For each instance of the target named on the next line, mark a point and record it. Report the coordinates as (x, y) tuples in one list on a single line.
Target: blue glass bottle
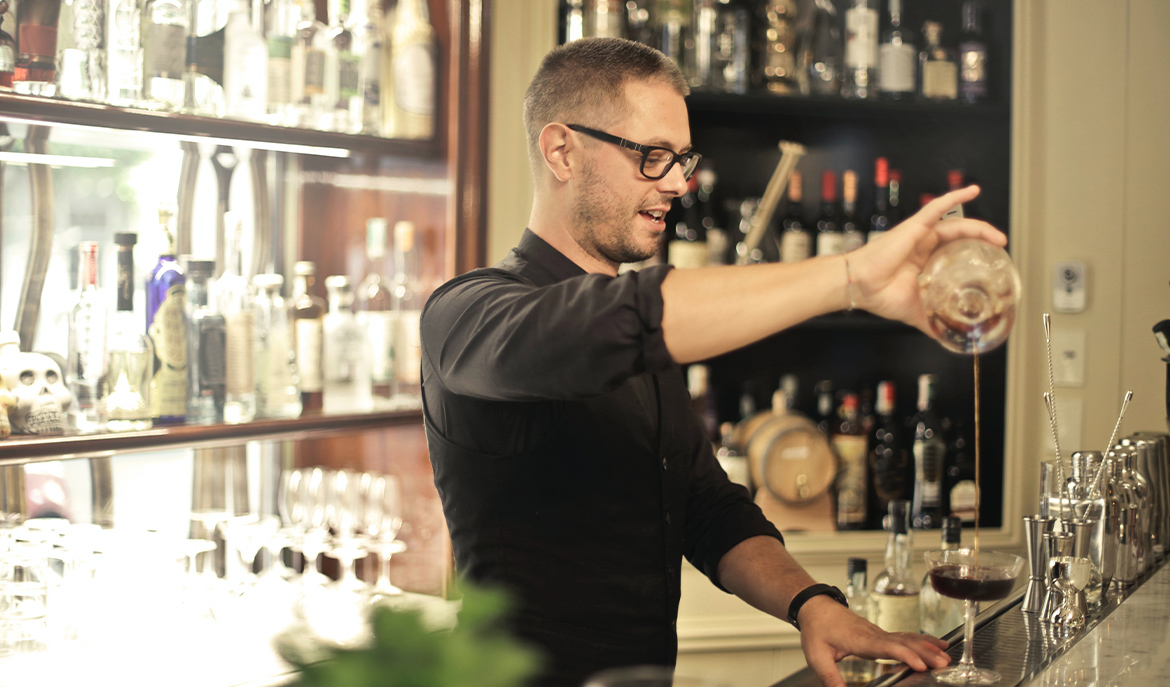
[(166, 324)]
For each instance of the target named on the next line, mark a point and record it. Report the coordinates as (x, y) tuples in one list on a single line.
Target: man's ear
[(558, 148)]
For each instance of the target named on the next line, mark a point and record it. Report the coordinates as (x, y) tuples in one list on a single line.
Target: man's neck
[(560, 235)]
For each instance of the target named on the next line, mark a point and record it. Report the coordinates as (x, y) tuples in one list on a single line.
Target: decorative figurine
[(36, 382)]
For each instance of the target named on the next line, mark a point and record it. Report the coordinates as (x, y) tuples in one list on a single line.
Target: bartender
[(571, 468)]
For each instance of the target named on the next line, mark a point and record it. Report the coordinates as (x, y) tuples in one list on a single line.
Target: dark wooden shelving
[(23, 449), (705, 105), (56, 112)]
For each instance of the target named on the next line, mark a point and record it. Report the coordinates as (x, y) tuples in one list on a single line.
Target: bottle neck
[(898, 553), (125, 295), (88, 276), (857, 583), (197, 292), (300, 286)]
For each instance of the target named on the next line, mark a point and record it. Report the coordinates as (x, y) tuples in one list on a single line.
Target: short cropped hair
[(582, 82)]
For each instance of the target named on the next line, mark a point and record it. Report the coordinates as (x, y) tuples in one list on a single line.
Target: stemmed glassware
[(970, 290), (972, 576), (381, 522), (344, 513)]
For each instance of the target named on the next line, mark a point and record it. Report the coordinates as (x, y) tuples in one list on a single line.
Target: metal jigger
[(1069, 575), (1057, 545), (1035, 527), (1082, 531)]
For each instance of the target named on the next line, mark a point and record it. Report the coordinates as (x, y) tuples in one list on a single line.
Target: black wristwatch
[(807, 593)]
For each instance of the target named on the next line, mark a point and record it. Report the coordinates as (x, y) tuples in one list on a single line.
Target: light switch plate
[(1068, 357), (1070, 413)]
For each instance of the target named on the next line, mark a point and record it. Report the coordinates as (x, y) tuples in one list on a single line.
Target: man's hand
[(885, 271), (829, 632)]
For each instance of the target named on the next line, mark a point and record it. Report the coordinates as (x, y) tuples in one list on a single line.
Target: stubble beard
[(606, 231)]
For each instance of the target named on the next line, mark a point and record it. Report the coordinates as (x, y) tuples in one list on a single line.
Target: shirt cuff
[(648, 300)]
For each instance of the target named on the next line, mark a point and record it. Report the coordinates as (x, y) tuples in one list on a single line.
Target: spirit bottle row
[(268, 61), (230, 349)]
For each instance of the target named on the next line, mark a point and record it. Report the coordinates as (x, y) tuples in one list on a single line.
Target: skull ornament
[(38, 385)]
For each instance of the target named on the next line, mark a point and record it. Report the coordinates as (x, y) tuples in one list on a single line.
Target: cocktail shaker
[(1126, 569)]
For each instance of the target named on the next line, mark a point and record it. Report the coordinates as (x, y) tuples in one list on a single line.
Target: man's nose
[(675, 182)]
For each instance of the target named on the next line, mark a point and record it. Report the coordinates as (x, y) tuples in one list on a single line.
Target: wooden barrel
[(788, 456)]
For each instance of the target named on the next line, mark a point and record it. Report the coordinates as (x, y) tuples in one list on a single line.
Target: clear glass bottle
[(820, 61), (346, 363), (895, 591), (35, 71), (408, 308), (282, 19), (937, 67), (376, 315), (7, 56), (413, 74), (164, 31), (929, 450), (972, 55), (897, 58), (83, 65), (233, 299), (124, 57), (777, 53), (275, 364), (940, 614), (796, 240), (851, 446), (308, 313), (166, 323), (734, 463), (203, 93), (854, 670), (206, 348), (86, 365), (731, 47), (861, 50), (342, 71), (671, 27), (245, 74), (310, 55), (368, 32), (131, 351)]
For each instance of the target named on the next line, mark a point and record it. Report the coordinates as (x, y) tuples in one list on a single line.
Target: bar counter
[(1126, 642)]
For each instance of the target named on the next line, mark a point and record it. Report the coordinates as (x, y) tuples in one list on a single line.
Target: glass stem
[(383, 570), (969, 634)]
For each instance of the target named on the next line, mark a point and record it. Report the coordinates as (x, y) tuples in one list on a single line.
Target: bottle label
[(830, 243), (7, 59), (348, 71), (168, 333), (851, 479), (371, 76), (414, 78), (408, 358), (166, 50), (795, 246), (895, 613), (973, 69), (279, 70), (928, 459), (898, 62), (240, 356), (861, 34), (212, 356), (344, 349), (684, 254), (314, 72), (852, 241), (940, 80), (309, 338), (963, 500), (380, 328), (37, 40)]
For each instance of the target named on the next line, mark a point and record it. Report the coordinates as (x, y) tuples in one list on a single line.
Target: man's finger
[(969, 228), (932, 212), (825, 668), (916, 653)]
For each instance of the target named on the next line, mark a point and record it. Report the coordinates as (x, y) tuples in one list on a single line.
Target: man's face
[(617, 212)]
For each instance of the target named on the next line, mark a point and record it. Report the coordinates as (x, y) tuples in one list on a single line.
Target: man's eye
[(657, 157)]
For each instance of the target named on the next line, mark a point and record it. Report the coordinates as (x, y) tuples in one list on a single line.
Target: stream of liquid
[(978, 488)]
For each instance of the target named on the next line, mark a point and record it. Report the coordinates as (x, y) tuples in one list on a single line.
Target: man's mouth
[(656, 216)]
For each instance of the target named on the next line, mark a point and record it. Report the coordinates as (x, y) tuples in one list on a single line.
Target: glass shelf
[(53, 112), (20, 449)]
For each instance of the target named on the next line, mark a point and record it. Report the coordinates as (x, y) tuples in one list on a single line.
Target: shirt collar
[(551, 263)]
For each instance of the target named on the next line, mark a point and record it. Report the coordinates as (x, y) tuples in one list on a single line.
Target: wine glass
[(970, 290), (381, 521), (972, 576), (344, 513)]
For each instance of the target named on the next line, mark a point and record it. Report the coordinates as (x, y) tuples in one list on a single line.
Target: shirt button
[(663, 462), (668, 518)]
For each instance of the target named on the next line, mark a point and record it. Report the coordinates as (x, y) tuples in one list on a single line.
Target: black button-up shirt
[(571, 467)]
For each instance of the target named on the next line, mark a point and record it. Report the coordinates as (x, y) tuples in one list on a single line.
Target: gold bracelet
[(849, 283)]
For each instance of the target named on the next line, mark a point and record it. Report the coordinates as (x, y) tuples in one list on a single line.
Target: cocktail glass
[(970, 290), (972, 576)]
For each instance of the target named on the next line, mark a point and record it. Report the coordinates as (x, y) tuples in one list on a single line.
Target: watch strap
[(809, 592)]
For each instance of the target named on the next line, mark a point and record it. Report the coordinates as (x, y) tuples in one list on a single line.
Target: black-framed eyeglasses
[(656, 161)]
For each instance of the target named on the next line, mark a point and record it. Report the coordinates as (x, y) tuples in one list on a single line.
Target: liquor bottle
[(203, 92), (86, 367), (308, 313), (274, 362), (83, 64), (709, 217), (233, 299), (408, 309), (166, 323), (282, 19), (125, 46), (245, 79), (830, 239), (688, 245), (368, 33), (730, 47), (413, 72), (35, 68), (206, 348), (310, 54), (855, 670), (972, 56), (898, 60), (937, 67), (790, 385), (850, 444), (954, 179), (824, 395), (376, 314), (702, 74), (164, 54), (671, 27), (929, 454), (796, 240), (961, 490), (604, 18), (895, 592), (939, 614), (895, 197), (702, 400), (7, 53), (861, 50), (131, 352), (880, 221), (346, 361), (573, 14), (734, 463), (853, 237), (777, 69), (342, 70), (820, 63), (888, 460)]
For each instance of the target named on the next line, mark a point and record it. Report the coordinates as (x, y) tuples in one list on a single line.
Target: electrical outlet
[(1068, 357)]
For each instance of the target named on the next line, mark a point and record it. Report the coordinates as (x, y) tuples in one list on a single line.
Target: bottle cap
[(829, 186), (304, 268), (898, 521), (404, 235), (375, 237), (856, 565), (337, 281), (849, 185), (955, 179), (125, 239), (885, 398), (881, 172), (952, 530), (795, 187), (266, 281), (198, 267)]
